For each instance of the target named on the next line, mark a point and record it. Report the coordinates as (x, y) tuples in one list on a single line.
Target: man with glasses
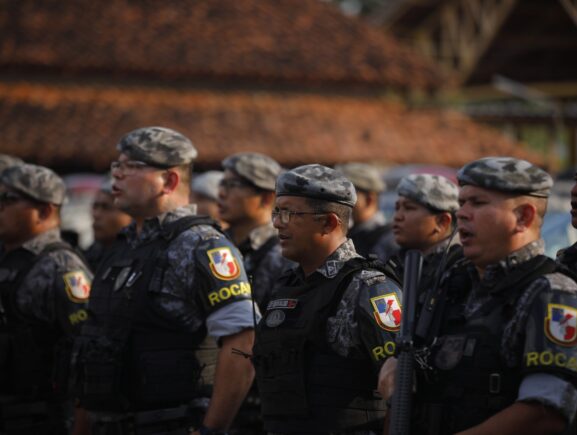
[(245, 201), (332, 320), (148, 358), (44, 286)]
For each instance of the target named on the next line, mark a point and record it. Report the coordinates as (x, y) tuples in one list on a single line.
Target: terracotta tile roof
[(75, 127), (278, 41)]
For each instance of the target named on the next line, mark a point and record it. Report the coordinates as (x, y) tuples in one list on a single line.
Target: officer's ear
[(267, 199), (525, 214), (171, 180), (331, 222), (443, 221)]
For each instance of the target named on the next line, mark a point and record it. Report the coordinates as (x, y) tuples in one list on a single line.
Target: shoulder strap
[(174, 229)]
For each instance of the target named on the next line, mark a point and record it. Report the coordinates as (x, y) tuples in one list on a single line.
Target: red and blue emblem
[(77, 286), (387, 311), (561, 324), (223, 264)]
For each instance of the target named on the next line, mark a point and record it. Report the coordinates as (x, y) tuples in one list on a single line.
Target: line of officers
[(173, 325)]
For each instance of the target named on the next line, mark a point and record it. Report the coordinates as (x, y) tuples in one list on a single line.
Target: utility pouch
[(165, 376), (101, 371)]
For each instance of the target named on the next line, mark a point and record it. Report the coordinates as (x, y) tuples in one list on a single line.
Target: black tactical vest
[(132, 355), (28, 348), (304, 385), (470, 381)]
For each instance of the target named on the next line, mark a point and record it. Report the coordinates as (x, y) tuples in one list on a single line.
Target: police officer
[(107, 221), (370, 233), (245, 200), (160, 305), (44, 286), (502, 358), (204, 193), (331, 323), (424, 220)]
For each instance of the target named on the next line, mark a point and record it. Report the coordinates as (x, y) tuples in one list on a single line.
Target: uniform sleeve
[(56, 291), (379, 316), (550, 346)]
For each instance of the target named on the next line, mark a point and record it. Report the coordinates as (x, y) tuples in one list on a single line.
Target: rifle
[(401, 400)]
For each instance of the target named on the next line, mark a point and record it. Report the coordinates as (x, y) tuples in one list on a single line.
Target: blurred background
[(409, 85)]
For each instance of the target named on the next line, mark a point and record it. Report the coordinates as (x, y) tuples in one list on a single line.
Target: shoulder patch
[(223, 263), (561, 324), (387, 311), (77, 286)]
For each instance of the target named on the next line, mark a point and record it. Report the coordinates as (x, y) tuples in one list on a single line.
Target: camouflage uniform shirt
[(530, 333), (56, 288), (192, 290), (357, 330)]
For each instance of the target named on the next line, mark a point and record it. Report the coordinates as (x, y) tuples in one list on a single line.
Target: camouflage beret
[(258, 169), (36, 182), (158, 146), (507, 174), (6, 161), (317, 182), (207, 184), (363, 176), (432, 191)]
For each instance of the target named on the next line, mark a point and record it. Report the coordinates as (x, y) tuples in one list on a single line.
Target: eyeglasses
[(8, 198), (230, 183), (129, 167), (286, 215)]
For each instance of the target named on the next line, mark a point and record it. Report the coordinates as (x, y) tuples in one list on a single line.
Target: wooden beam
[(458, 34)]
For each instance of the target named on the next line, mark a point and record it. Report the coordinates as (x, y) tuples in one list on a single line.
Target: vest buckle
[(494, 383)]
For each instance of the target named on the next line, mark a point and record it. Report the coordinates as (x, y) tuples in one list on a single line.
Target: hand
[(387, 378)]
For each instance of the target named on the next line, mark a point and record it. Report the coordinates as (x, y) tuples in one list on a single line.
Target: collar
[(153, 226), (335, 262), (494, 273), (37, 244)]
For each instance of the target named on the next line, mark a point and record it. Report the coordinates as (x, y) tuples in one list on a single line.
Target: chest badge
[(223, 264), (387, 311), (77, 286), (275, 318), (121, 278), (561, 324)]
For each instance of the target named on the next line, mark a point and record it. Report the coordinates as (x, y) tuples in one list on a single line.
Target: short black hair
[(344, 212)]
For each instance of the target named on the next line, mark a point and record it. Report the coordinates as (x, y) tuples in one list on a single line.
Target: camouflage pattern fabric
[(352, 331), (36, 182), (317, 182), (158, 146), (363, 176), (182, 280), (56, 289), (507, 174), (6, 161), (259, 169), (433, 191)]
